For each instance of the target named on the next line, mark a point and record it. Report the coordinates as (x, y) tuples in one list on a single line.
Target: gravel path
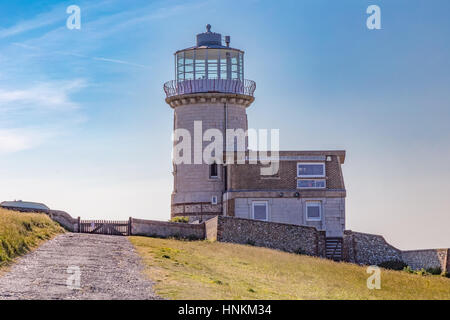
[(109, 269)]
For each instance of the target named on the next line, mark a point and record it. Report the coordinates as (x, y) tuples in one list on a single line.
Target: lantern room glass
[(199, 64)]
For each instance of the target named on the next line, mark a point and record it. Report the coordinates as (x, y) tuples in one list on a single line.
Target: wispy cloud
[(31, 115), (40, 21), (14, 140), (78, 55), (48, 95), (121, 62), (57, 15)]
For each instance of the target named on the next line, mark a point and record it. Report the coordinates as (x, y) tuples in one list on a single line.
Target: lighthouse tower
[(209, 92)]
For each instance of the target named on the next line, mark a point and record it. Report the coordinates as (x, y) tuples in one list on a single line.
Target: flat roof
[(24, 204)]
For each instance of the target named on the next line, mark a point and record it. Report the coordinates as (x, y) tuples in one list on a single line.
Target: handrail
[(175, 88)]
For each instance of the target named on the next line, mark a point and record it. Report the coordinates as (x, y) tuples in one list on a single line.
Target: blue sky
[(84, 126)]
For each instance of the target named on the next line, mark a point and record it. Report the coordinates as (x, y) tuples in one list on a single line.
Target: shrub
[(300, 251), (180, 219), (393, 265), (408, 269), (434, 271)]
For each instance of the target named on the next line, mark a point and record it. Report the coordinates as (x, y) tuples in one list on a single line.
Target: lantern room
[(209, 66)]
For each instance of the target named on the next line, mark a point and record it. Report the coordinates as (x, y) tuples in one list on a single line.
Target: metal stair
[(333, 248)]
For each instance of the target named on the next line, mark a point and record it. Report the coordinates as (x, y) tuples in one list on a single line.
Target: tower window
[(213, 171)]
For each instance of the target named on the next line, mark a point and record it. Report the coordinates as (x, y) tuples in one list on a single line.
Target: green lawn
[(213, 270), (20, 232)]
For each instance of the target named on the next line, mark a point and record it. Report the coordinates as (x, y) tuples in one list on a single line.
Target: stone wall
[(285, 237), (64, 219), (162, 229), (433, 258), (368, 249)]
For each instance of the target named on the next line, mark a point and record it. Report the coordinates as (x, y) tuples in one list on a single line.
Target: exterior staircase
[(333, 248)]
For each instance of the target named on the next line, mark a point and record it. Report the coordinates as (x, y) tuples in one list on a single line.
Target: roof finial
[(208, 28)]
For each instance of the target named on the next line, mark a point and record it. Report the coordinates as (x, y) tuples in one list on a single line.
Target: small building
[(25, 206), (308, 190)]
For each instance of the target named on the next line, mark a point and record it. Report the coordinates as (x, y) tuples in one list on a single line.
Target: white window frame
[(259, 203), (313, 204), (324, 187), (312, 175), (214, 199)]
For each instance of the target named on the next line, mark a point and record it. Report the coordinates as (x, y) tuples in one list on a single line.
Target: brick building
[(210, 88)]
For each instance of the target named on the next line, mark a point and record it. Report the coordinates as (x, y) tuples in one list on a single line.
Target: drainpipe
[(224, 176)]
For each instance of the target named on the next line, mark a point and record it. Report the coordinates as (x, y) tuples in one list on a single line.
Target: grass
[(212, 270), (21, 232)]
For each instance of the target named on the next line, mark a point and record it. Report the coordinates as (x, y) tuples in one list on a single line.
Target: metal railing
[(174, 88)]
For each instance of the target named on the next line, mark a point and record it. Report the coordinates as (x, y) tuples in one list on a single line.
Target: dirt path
[(109, 269)]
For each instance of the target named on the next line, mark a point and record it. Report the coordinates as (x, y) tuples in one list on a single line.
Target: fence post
[(129, 226), (79, 225)]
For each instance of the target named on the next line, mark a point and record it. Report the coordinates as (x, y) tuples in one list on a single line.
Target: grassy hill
[(20, 232), (213, 270)]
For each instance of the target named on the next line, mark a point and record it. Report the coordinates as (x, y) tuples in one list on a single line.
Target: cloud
[(14, 140), (30, 116), (121, 62), (117, 61), (46, 95), (40, 21)]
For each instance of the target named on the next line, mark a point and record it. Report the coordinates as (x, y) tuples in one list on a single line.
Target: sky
[(84, 126)]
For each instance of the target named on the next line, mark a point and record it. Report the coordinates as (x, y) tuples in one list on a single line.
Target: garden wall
[(161, 229), (64, 219), (285, 237), (368, 249), (433, 258)]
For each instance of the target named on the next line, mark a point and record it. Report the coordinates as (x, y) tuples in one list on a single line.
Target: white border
[(267, 209), (311, 176), (313, 204), (324, 180)]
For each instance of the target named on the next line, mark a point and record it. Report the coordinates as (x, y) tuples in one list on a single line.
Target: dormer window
[(310, 170)]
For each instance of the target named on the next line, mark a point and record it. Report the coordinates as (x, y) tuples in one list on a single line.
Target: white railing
[(174, 88)]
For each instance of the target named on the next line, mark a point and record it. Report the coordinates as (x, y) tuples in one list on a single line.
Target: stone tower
[(210, 87)]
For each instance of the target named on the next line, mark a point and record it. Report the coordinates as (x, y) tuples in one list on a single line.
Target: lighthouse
[(209, 92)]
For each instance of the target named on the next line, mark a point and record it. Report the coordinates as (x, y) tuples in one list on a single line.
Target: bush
[(423, 272), (408, 269), (393, 265), (251, 242), (435, 271), (300, 251), (180, 219)]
